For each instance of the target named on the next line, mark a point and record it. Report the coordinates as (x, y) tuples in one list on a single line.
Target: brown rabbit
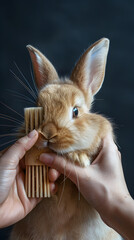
[(70, 129)]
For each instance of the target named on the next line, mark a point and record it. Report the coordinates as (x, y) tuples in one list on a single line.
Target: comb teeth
[(37, 182), (36, 179), (33, 118)]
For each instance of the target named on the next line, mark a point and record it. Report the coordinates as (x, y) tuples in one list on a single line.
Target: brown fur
[(78, 139)]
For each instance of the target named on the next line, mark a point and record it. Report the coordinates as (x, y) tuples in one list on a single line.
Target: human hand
[(102, 183), (14, 204)]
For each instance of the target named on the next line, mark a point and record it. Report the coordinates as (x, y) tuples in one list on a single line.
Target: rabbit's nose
[(49, 131)]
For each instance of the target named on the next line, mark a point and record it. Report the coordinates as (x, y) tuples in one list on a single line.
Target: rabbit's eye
[(75, 112)]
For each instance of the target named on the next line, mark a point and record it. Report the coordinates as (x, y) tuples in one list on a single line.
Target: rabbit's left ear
[(90, 70), (44, 71)]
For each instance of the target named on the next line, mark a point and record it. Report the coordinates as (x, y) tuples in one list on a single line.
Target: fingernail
[(32, 134), (46, 158)]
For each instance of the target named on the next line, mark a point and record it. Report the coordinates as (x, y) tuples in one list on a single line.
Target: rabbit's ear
[(90, 70), (44, 72)]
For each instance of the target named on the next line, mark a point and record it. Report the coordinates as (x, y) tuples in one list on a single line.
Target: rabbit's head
[(68, 124)]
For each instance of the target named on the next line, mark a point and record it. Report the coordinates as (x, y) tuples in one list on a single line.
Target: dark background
[(62, 30)]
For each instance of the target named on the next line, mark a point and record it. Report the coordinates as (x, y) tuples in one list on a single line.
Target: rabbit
[(69, 128)]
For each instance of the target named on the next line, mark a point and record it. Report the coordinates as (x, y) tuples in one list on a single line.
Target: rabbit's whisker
[(8, 135), (67, 176), (3, 144), (25, 80), (4, 116), (12, 109), (24, 85), (5, 125), (78, 185), (17, 129), (63, 188), (21, 96)]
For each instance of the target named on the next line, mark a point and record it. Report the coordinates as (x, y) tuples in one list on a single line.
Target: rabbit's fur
[(66, 216)]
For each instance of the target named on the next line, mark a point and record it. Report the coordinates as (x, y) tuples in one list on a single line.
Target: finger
[(53, 188), (27, 203), (61, 165), (109, 146), (53, 175), (16, 152), (108, 141)]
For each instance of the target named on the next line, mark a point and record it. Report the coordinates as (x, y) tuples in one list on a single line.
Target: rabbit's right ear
[(89, 72), (44, 72)]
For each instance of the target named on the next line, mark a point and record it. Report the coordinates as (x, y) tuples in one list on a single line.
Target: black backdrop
[(62, 30)]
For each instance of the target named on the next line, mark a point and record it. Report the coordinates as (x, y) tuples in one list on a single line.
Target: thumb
[(11, 158), (9, 162), (62, 165)]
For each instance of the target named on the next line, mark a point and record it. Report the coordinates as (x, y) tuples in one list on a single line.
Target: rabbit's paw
[(79, 158)]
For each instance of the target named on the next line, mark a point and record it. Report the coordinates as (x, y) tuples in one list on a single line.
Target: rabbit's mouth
[(55, 143)]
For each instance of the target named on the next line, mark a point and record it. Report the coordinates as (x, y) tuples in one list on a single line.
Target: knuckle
[(20, 144)]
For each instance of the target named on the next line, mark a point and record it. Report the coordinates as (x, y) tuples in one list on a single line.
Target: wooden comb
[(36, 178)]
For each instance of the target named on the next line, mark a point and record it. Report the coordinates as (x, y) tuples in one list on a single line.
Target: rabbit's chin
[(60, 150)]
